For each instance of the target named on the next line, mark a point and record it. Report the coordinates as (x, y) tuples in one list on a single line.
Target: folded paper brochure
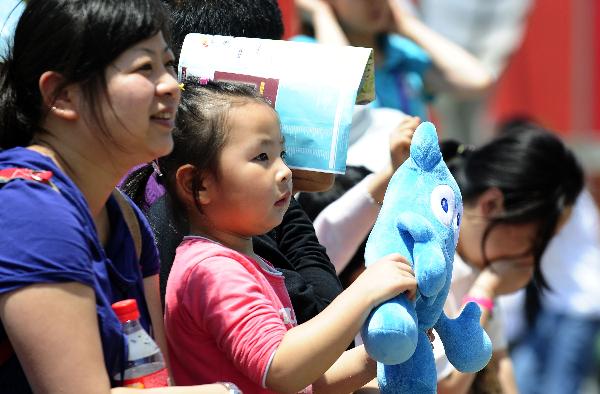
[(313, 88)]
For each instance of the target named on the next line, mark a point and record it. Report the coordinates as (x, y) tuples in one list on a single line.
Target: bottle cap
[(126, 310)]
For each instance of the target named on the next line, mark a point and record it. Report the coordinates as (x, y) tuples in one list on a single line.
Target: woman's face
[(144, 95), (362, 16)]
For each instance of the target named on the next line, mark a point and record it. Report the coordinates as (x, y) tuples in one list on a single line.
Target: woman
[(87, 92)]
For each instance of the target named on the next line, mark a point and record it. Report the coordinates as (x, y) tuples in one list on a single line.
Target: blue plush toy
[(419, 219)]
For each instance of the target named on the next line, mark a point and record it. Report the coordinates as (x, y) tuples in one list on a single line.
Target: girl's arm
[(345, 223), (353, 369), (53, 329), (506, 374), (455, 69), (308, 350)]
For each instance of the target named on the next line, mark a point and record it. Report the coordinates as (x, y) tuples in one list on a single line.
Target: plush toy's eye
[(456, 224), (442, 204)]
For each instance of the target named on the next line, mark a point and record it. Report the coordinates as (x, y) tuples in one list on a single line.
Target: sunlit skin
[(253, 187), (144, 95), (362, 16)]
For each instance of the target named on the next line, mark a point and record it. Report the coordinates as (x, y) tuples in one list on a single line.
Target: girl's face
[(362, 16), (144, 96), (253, 188), (505, 242)]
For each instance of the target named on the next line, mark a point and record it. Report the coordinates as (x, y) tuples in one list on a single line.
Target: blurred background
[(545, 55)]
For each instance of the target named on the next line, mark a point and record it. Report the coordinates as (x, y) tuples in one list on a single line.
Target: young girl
[(411, 60), (228, 315), (87, 91)]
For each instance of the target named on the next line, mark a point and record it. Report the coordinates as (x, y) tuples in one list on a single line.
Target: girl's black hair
[(76, 38), (537, 174)]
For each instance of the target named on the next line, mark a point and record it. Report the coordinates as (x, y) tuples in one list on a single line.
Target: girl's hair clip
[(181, 86), (156, 168)]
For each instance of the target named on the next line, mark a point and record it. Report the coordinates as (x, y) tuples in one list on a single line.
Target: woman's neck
[(94, 173)]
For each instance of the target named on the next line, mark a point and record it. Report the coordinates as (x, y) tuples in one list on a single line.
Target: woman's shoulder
[(47, 234), (44, 201)]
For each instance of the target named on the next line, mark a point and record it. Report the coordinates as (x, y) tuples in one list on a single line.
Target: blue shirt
[(399, 81), (49, 237)]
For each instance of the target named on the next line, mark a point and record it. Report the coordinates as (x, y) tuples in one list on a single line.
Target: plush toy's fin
[(425, 148), (466, 344), (390, 333)]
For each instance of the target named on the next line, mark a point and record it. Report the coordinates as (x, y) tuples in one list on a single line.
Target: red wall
[(554, 76), (290, 19)]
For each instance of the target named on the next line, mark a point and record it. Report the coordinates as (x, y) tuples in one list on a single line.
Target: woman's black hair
[(537, 174), (76, 38)]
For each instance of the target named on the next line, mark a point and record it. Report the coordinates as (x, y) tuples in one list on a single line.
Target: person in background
[(412, 62), (87, 91)]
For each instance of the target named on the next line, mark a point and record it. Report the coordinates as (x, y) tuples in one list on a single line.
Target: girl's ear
[(491, 202), (61, 100), (186, 178)]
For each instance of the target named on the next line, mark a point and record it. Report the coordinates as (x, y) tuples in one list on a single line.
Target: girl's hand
[(386, 278), (503, 277), (400, 140)]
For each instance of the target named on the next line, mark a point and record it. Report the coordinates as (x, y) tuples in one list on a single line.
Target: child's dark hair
[(537, 174), (249, 18), (77, 39), (199, 136)]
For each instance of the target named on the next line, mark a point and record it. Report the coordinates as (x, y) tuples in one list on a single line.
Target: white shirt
[(571, 262), (345, 223)]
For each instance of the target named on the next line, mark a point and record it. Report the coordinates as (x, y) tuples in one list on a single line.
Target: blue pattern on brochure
[(316, 126)]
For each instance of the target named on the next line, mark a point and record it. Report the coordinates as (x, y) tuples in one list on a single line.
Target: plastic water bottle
[(145, 365)]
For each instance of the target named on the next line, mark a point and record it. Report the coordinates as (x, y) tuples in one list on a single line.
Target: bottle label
[(159, 378)]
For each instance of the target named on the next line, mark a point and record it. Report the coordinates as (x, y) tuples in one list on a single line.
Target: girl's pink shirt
[(225, 316)]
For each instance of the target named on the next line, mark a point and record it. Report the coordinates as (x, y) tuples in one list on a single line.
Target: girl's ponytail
[(135, 185)]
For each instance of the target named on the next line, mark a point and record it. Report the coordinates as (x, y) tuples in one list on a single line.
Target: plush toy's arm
[(429, 263), (466, 344)]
